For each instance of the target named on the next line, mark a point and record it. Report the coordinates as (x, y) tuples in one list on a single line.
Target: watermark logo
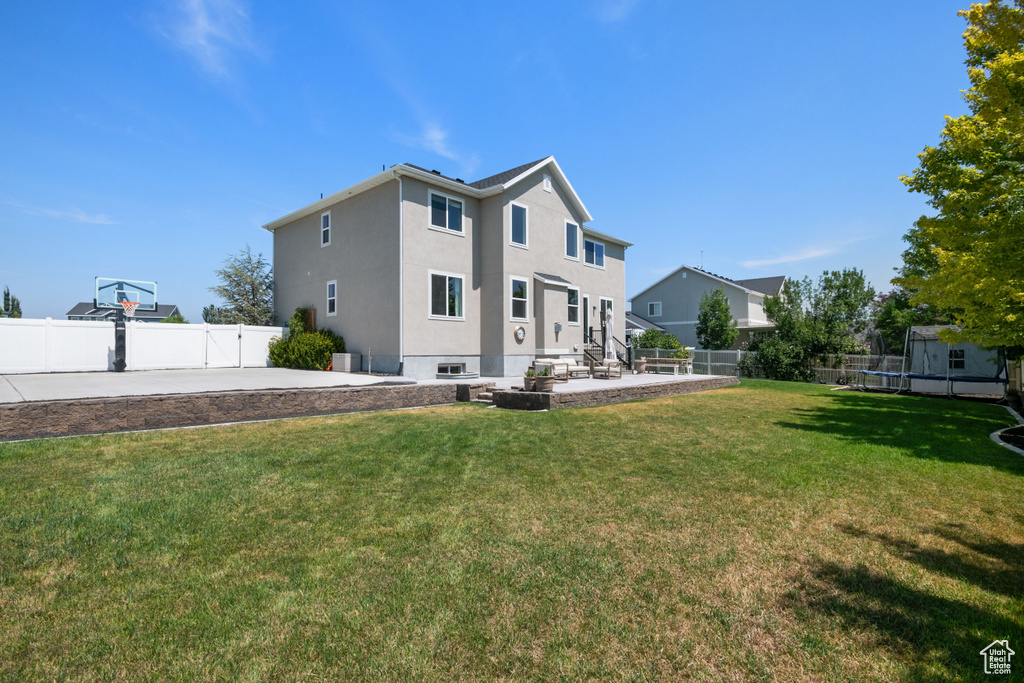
[(997, 657)]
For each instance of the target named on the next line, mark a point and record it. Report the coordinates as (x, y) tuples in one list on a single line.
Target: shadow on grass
[(936, 638), (930, 428), (983, 561)]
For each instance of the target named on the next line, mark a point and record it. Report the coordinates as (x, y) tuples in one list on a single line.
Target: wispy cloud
[(614, 11), (434, 139), (212, 32), (802, 255), (805, 254), (73, 214)]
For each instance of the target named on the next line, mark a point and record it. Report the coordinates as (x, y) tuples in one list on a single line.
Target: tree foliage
[(177, 318), (12, 305), (247, 286), (656, 339), (969, 258), (813, 321), (213, 315), (716, 328), (892, 313)]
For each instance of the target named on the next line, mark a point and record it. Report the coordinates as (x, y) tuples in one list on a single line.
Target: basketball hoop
[(129, 308)]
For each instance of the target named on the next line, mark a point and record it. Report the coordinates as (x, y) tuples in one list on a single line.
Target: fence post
[(206, 345), (47, 346), (241, 329)]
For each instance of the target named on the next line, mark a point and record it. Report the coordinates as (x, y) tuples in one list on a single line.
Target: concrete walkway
[(57, 386)]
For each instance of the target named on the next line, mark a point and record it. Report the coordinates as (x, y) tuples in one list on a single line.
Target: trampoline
[(931, 359)]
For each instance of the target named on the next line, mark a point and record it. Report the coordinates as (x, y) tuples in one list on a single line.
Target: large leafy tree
[(716, 328), (812, 322), (247, 287), (968, 260)]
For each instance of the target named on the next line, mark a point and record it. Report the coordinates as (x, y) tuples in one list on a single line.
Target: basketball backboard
[(110, 292)]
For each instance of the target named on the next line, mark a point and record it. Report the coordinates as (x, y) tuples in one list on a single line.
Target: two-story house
[(673, 303), (432, 275)]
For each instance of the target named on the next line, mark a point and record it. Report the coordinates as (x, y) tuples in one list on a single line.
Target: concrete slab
[(590, 384), (78, 385)]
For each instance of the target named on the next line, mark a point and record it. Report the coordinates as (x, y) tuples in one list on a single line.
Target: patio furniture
[(675, 364), (559, 368), (575, 369), (608, 369)]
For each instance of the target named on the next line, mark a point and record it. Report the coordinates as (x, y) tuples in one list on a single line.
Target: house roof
[(765, 285), (479, 189), (931, 332), (632, 319), (86, 308), (738, 284), (505, 176), (551, 279)]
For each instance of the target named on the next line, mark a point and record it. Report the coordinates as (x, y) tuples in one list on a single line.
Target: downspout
[(401, 276)]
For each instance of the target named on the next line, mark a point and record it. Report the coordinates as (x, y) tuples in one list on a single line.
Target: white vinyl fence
[(34, 345), (704, 362)]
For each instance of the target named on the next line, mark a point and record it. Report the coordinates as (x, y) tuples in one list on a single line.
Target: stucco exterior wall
[(362, 257)]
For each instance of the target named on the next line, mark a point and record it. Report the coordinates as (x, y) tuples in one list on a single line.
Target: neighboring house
[(635, 325), (673, 303), (86, 311), (432, 275)]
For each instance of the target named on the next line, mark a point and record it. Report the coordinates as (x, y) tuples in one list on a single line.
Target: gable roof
[(640, 323), (737, 284), (765, 285), (479, 189)]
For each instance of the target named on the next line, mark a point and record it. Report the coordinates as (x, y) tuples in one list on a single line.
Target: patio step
[(484, 397)]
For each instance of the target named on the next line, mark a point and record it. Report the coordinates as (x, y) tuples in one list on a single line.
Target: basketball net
[(129, 307)]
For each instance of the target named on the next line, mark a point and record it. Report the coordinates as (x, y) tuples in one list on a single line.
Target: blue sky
[(150, 140)]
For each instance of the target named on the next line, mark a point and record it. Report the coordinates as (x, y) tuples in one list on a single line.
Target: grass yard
[(762, 532)]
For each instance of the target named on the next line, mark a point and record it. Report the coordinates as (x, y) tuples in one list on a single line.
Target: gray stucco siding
[(362, 258), (430, 251)]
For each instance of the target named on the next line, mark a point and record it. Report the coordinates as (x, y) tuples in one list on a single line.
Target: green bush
[(303, 349), (653, 339)]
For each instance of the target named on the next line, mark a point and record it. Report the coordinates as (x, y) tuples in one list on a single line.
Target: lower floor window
[(451, 368), (574, 305), (332, 297), (519, 299), (445, 296)]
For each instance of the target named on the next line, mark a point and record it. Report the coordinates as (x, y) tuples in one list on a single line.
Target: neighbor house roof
[(738, 284), (765, 285), (84, 308), (479, 189), (632, 319)]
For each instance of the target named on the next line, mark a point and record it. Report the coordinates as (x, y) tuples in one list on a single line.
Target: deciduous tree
[(968, 259), (716, 328)]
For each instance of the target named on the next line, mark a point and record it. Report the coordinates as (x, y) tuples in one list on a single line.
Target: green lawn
[(765, 531)]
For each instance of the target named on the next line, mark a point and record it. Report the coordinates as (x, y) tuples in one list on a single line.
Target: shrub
[(303, 349), (176, 318), (653, 339)]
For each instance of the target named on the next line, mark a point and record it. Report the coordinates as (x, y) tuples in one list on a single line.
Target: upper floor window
[(519, 227), (572, 241), (325, 229), (574, 306), (332, 297), (445, 296), (445, 212), (653, 309), (519, 299), (593, 252)]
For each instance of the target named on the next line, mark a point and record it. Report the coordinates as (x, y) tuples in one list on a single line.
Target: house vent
[(547, 183)]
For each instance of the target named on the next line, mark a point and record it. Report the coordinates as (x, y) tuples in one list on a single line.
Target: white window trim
[(604, 253), (461, 232), (430, 293), (327, 292), (526, 209), (653, 303), (511, 308), (565, 233), (579, 307), (330, 229)]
